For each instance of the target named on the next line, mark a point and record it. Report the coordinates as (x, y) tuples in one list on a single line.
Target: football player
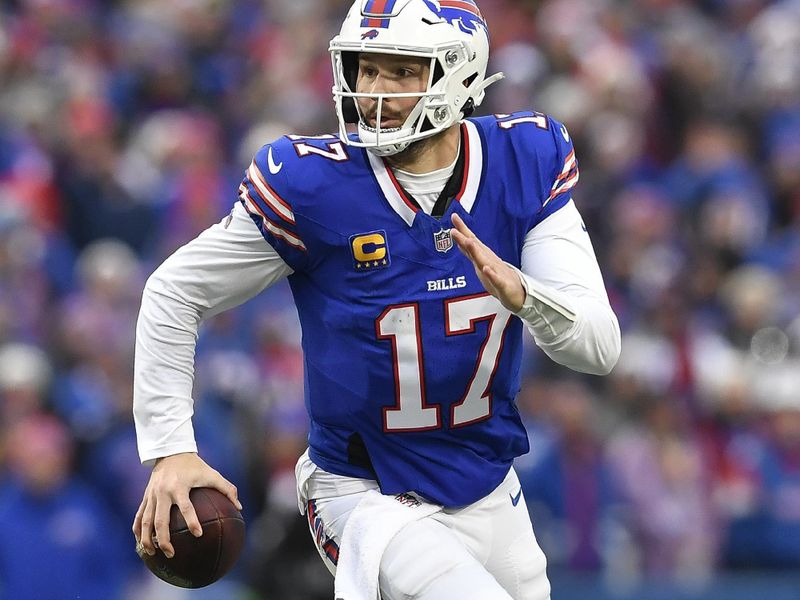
[(419, 249)]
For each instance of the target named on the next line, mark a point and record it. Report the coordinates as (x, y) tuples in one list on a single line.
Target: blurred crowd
[(125, 127)]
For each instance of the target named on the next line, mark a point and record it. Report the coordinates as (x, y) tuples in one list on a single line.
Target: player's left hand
[(500, 280)]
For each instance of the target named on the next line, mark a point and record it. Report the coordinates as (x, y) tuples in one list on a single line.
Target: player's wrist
[(519, 300), (174, 457), (515, 297)]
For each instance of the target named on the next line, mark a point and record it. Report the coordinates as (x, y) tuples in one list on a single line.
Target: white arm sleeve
[(223, 267), (566, 308)]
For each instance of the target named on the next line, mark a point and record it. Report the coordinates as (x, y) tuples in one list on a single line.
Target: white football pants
[(483, 551)]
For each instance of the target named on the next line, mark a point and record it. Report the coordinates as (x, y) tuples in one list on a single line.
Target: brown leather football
[(199, 562)]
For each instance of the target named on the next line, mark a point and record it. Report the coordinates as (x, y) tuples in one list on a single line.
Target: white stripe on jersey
[(267, 194)]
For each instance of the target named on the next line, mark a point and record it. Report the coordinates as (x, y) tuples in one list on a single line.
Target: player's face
[(385, 73)]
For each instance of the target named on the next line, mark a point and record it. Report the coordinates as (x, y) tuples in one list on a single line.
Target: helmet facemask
[(432, 113), (455, 84)]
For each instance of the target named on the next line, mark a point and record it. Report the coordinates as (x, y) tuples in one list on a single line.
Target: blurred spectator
[(25, 374), (766, 532), (568, 490), (664, 481), (94, 340), (52, 518)]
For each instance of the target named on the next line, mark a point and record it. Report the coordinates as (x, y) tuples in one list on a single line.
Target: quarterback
[(420, 243)]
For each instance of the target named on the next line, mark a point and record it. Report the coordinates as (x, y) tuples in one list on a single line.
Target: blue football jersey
[(411, 368)]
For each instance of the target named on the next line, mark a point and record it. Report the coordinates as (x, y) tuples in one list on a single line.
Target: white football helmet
[(451, 33)]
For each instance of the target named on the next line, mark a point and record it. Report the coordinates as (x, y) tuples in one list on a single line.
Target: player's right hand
[(170, 481), (499, 279)]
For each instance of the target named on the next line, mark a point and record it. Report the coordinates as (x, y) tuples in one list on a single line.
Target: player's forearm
[(224, 266), (579, 331), (566, 307), (166, 334)]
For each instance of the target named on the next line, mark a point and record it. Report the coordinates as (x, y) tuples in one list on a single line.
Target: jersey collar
[(468, 192)]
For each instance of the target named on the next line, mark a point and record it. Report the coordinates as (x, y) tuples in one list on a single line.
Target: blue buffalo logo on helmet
[(461, 13)]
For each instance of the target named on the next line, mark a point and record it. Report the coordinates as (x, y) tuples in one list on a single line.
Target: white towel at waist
[(369, 529)]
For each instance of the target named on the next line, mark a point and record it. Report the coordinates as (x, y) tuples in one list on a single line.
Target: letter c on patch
[(369, 247)]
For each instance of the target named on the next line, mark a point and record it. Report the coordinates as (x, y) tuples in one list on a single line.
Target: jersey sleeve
[(562, 165), (544, 163), (266, 194)]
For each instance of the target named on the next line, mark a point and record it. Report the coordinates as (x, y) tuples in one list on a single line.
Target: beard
[(413, 152)]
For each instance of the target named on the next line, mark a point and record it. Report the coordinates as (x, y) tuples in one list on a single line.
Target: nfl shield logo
[(443, 240)]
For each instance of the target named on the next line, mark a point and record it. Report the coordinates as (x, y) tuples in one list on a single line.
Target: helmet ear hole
[(468, 108), (469, 105), (438, 72)]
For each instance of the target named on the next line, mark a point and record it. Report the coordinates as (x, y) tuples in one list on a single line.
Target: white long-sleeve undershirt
[(566, 310)]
